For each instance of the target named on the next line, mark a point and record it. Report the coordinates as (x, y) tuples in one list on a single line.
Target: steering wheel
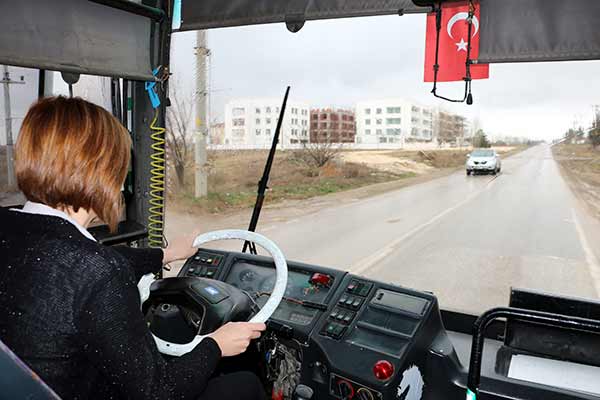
[(144, 285)]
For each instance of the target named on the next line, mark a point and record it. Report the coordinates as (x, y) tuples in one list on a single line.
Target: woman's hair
[(72, 153)]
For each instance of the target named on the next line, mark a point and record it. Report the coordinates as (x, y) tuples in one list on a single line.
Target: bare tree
[(179, 131), (318, 154)]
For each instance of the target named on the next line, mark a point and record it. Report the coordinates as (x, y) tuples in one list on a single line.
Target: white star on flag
[(462, 45)]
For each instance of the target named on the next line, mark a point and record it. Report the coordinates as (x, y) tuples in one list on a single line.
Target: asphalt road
[(466, 239)]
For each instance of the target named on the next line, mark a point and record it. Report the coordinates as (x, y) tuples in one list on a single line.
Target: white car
[(483, 160)]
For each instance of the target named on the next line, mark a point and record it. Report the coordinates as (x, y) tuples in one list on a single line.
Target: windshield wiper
[(262, 184)]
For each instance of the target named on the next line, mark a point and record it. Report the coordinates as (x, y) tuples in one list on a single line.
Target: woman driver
[(69, 307)]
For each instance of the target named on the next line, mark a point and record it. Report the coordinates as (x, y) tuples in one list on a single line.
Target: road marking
[(590, 257), (372, 260)]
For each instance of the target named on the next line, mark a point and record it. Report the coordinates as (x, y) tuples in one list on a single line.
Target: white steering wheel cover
[(177, 350)]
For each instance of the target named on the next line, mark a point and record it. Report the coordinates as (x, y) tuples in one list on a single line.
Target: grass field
[(234, 175), (581, 166)]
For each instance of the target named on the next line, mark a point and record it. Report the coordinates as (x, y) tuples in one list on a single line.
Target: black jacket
[(69, 307)]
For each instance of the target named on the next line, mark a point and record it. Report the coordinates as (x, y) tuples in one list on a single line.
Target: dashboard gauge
[(267, 285), (247, 275)]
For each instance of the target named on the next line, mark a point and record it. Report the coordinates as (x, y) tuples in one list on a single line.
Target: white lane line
[(372, 260), (590, 257)]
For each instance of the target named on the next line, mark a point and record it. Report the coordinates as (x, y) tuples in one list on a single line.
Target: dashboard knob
[(346, 390), (364, 394), (303, 392)]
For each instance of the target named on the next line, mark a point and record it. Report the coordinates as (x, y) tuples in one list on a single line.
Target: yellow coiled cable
[(157, 185)]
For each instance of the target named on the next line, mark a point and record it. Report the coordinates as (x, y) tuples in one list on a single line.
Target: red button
[(383, 370)]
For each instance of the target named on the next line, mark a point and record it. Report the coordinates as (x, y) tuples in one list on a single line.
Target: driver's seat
[(18, 381)]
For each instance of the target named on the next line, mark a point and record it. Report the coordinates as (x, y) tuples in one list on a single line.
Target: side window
[(20, 85)]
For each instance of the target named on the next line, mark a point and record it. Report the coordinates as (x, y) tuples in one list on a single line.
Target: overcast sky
[(340, 62)]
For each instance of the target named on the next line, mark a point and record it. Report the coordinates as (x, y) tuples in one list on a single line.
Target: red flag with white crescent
[(453, 44)]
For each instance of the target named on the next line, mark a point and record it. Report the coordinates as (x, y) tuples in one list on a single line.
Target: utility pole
[(6, 81), (202, 117)]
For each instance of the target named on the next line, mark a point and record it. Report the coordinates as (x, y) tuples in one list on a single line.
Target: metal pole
[(8, 127), (202, 118)]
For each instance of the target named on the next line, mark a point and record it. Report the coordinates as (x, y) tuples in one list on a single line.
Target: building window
[(392, 131), (367, 122), (367, 131), (294, 111), (393, 110), (379, 132), (237, 111), (268, 120), (238, 132), (414, 132), (239, 122), (378, 111), (368, 111), (416, 109), (268, 132), (277, 110), (257, 110), (379, 121), (323, 116), (323, 125), (393, 121), (268, 110), (383, 139), (314, 116), (415, 120), (257, 121), (258, 132)]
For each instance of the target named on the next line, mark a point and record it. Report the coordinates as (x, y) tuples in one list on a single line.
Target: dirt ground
[(233, 179), (234, 175), (581, 168)]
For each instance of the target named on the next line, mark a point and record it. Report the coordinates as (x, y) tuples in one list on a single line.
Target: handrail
[(557, 320)]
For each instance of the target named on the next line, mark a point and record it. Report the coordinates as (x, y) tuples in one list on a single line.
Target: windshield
[(482, 153), (370, 175)]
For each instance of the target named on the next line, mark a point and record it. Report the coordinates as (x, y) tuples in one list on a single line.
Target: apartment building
[(251, 123), (393, 122), (329, 125)]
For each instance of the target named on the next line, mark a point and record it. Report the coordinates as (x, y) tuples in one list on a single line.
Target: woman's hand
[(180, 248), (233, 338)]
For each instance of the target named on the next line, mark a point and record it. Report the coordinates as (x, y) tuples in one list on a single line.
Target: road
[(466, 239)]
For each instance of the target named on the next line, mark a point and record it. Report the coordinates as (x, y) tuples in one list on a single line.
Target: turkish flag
[(454, 36)]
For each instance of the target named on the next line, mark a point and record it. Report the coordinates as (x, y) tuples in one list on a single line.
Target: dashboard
[(340, 327), (343, 336)]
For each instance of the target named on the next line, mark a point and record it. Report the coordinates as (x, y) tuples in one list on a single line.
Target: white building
[(392, 122), (251, 123)]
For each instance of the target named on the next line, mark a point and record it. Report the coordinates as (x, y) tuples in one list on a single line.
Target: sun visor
[(204, 14), (539, 30), (75, 36)]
